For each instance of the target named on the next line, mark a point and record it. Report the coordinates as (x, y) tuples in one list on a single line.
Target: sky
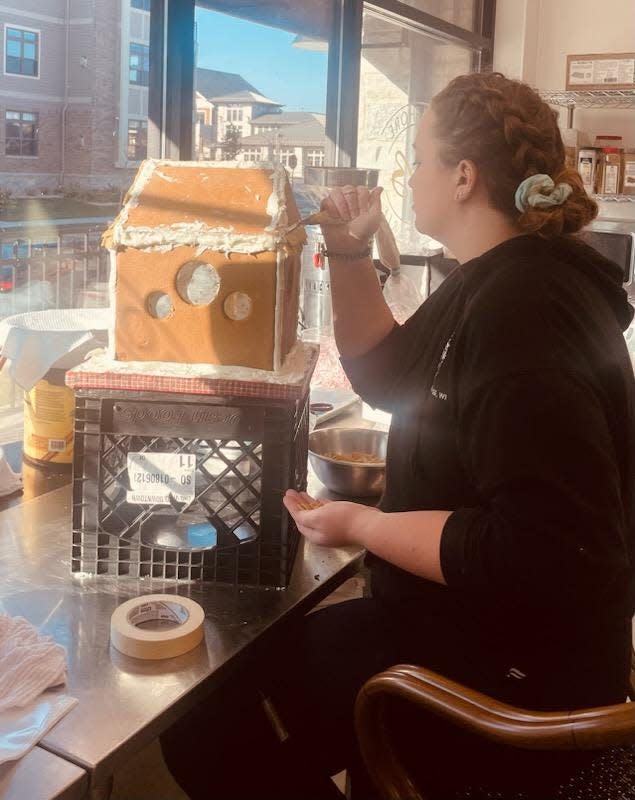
[(265, 58)]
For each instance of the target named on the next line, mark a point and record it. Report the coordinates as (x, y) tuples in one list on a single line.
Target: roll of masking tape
[(157, 626)]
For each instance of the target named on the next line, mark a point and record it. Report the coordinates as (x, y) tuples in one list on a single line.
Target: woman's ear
[(466, 174)]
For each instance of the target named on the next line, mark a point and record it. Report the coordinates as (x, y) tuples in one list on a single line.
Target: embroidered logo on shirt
[(516, 673), (439, 395)]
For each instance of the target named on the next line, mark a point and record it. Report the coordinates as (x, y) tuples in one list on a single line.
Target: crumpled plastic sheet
[(22, 728)]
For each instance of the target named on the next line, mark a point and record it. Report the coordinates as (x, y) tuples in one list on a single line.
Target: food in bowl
[(339, 459), (355, 457)]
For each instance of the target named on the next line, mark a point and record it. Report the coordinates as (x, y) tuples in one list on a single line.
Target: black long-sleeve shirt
[(513, 403)]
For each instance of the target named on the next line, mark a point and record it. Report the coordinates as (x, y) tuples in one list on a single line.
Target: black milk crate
[(241, 456)]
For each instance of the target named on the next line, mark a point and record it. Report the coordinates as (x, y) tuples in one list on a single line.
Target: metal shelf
[(591, 98), (614, 198)]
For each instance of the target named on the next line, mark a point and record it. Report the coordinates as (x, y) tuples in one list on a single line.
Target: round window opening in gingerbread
[(198, 283), (159, 305), (238, 306)]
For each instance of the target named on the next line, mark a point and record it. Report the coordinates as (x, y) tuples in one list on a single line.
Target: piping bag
[(401, 294), (384, 237)]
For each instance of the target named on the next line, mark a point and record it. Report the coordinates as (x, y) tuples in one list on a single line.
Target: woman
[(502, 554)]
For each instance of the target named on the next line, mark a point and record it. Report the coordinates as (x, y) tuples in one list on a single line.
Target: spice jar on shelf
[(609, 166), (587, 167), (628, 177), (611, 171)]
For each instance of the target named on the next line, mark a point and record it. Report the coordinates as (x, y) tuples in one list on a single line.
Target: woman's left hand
[(334, 524)]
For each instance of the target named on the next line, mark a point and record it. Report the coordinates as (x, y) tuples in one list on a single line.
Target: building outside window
[(141, 5), (315, 158), (21, 133), (22, 49), (139, 63), (137, 139)]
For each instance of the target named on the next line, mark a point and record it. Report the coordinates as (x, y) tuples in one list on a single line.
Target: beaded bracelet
[(324, 253)]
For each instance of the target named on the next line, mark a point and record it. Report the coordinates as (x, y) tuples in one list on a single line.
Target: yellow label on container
[(48, 423)]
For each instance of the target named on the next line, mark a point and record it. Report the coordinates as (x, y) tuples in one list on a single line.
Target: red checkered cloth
[(222, 387)]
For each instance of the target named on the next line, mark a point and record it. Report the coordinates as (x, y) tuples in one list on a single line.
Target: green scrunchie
[(531, 192)]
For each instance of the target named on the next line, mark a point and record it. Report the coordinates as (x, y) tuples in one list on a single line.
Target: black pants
[(227, 748)]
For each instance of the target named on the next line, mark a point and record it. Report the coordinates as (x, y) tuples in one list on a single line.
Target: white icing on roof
[(198, 234)]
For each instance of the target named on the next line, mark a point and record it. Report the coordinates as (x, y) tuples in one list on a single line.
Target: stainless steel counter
[(124, 703), (40, 775)]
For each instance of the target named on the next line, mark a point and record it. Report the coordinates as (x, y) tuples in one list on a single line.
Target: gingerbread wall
[(195, 334)]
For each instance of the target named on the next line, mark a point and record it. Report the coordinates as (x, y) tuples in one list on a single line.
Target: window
[(21, 132), (141, 5), (252, 154), (248, 86), (285, 156), (22, 49), (137, 139), (315, 158), (139, 63)]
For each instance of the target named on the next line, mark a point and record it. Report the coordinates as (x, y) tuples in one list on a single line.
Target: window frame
[(146, 72), (285, 153), (345, 48), (426, 23), (249, 151), (140, 122), (36, 137), (172, 30), (310, 157), (38, 32)]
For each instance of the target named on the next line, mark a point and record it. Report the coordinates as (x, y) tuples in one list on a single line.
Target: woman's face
[(433, 184)]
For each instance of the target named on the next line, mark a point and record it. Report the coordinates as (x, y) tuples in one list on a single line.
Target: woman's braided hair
[(510, 133)]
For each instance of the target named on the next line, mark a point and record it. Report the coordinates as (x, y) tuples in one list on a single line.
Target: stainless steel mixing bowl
[(351, 479)]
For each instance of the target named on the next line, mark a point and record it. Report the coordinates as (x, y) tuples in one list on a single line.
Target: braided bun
[(510, 133)]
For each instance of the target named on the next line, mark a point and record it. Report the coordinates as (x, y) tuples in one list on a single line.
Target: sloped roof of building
[(302, 135), (245, 98), (213, 83), (289, 118)]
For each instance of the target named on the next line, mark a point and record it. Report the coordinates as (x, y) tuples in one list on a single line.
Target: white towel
[(35, 341), (30, 663)]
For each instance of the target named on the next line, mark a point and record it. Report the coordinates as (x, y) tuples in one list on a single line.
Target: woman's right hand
[(360, 208)]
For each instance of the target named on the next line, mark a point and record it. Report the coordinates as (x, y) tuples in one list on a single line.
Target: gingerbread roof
[(221, 206)]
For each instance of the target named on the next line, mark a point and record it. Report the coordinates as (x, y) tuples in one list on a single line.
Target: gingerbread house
[(204, 268)]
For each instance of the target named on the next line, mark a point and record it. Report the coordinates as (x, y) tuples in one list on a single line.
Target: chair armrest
[(477, 714)]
